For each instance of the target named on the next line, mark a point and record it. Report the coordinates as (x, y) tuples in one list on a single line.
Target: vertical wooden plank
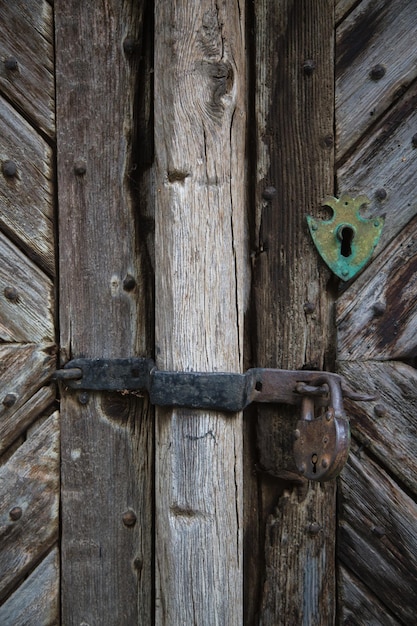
[(200, 177), (106, 438), (294, 113)]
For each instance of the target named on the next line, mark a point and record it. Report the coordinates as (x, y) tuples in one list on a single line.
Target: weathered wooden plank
[(200, 177), (376, 316), (26, 197), (107, 446), (384, 168), (294, 102), (376, 33), (26, 298), (23, 371), (36, 601), (388, 426), (377, 538), (356, 601), (300, 526), (342, 7), (29, 504), (27, 60)]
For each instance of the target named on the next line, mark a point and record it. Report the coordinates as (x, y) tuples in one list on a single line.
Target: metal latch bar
[(205, 390)]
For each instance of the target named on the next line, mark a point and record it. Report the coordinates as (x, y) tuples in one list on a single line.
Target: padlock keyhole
[(314, 459), (346, 235)]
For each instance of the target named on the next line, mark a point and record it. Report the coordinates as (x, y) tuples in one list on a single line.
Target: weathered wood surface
[(107, 447), (376, 33), (377, 315), (36, 601), (29, 504), (294, 102), (377, 538), (26, 30), (24, 369), (26, 199), (342, 7), (200, 303), (388, 426), (26, 298), (357, 602), (383, 167)]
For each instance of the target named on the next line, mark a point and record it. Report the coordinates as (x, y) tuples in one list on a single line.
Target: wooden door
[(158, 161)]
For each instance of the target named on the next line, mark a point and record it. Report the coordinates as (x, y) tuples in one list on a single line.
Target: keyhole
[(346, 235), (314, 459)]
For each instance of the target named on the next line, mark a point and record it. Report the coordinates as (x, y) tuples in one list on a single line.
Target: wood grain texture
[(24, 369), (36, 601), (294, 102), (356, 600), (26, 199), (30, 483), (26, 298), (377, 538), (200, 182), (27, 36), (376, 316), (386, 160), (104, 307), (388, 426), (375, 33)]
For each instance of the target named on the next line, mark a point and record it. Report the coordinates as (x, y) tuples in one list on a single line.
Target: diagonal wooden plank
[(386, 163), (387, 427), (26, 298), (377, 538), (356, 600), (377, 315), (23, 371), (26, 30), (376, 33), (26, 198), (36, 601), (29, 487)]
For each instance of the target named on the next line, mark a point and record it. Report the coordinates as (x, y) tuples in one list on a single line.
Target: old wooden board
[(376, 62), (36, 601), (200, 181), (24, 370), (377, 535), (29, 504), (26, 187), (107, 447), (27, 60), (293, 108)]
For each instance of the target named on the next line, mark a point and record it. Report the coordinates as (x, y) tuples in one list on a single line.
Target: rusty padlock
[(321, 444)]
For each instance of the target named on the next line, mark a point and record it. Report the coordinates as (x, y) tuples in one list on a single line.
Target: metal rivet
[(80, 168), (378, 531), (269, 193), (380, 194), (380, 410), (309, 66), (11, 64), (345, 272), (9, 169), (297, 434), (129, 283), (9, 400), (302, 468), (379, 308), (15, 513), (414, 140), (314, 226), (83, 397), (129, 45), (329, 415), (325, 463), (328, 141), (309, 307), (129, 518), (314, 528), (11, 294), (377, 72)]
